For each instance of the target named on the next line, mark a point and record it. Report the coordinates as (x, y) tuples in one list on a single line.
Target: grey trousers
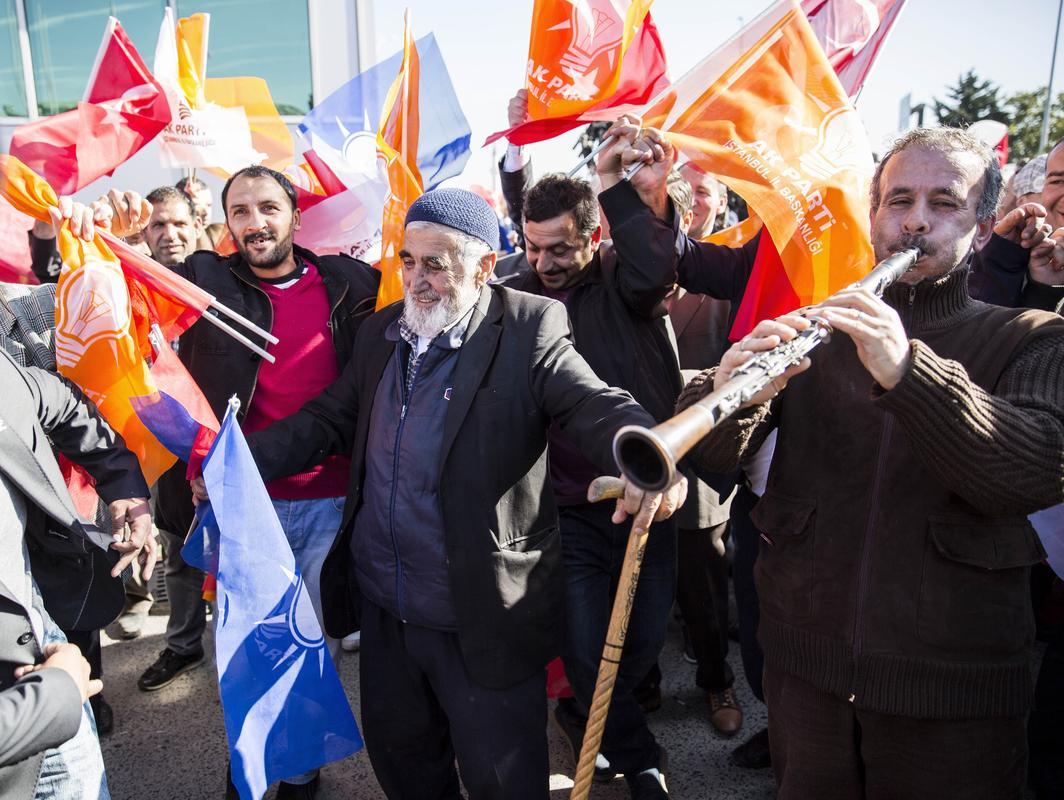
[(184, 587)]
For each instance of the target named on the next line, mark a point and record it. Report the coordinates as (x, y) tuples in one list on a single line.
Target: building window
[(65, 36), (269, 39), (12, 81)]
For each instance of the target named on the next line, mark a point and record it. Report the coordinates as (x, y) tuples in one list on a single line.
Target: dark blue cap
[(459, 209)]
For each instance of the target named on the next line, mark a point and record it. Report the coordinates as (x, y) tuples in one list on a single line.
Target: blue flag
[(285, 710), (353, 111)]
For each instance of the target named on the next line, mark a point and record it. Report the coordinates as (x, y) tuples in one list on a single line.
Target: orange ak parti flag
[(588, 60), (765, 113), (397, 138), (96, 343)]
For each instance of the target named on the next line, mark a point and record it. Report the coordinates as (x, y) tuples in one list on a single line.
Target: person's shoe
[(754, 752), (105, 717), (571, 725), (725, 713), (128, 626), (688, 647), (167, 668), (298, 791), (648, 697), (351, 642), (650, 783)]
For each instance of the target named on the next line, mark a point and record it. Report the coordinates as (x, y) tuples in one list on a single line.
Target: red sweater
[(306, 365)]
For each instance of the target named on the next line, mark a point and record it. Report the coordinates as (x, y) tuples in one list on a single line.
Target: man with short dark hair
[(895, 610), (314, 306), (614, 294), (199, 193)]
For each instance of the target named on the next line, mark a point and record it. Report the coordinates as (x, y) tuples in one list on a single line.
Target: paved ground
[(170, 744)]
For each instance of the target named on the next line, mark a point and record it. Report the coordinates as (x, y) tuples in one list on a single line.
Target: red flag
[(124, 108), (851, 33), (639, 78)]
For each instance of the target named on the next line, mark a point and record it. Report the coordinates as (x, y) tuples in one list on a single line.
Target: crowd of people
[(430, 463)]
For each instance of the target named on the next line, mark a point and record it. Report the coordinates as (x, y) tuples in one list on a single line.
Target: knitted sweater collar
[(932, 304)]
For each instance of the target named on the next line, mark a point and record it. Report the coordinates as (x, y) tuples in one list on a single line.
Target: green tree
[(969, 101), (1025, 123)]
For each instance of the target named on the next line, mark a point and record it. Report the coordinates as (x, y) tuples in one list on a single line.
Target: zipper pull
[(402, 413), (912, 295)]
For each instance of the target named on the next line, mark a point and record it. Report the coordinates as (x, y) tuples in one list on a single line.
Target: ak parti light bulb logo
[(841, 146)]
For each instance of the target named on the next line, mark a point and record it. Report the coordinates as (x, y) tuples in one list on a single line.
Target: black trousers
[(1046, 727), (747, 539), (89, 643), (702, 594), (823, 748), (421, 711)]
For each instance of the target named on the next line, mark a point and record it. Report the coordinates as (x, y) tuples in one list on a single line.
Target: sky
[(485, 45)]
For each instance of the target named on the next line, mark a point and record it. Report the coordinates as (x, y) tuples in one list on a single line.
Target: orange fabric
[(397, 141), (766, 113), (192, 33), (575, 52), (96, 334), (736, 235), (269, 134)]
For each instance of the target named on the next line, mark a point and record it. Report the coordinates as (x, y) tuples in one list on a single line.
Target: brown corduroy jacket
[(896, 549)]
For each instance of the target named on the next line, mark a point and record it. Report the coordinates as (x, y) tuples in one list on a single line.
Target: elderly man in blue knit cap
[(449, 542)]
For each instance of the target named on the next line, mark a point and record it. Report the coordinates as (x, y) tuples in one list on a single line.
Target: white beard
[(428, 322)]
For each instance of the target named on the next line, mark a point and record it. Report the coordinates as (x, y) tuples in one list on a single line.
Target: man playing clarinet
[(893, 574)]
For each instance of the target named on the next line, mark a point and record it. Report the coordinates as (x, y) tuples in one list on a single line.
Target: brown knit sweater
[(896, 553)]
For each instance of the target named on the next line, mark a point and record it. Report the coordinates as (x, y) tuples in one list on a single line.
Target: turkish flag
[(123, 109), (588, 62)]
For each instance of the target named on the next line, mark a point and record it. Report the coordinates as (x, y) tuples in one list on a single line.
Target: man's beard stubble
[(272, 258)]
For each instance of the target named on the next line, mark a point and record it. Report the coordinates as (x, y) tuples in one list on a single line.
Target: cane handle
[(605, 487)]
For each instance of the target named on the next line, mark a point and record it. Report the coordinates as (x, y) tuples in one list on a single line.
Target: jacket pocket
[(527, 574), (784, 568), (974, 592)]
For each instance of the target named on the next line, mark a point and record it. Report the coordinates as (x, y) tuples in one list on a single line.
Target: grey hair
[(948, 140), (469, 250)]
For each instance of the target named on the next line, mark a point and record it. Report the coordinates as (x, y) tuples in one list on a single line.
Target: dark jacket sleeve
[(79, 432), (645, 248), (39, 712), (713, 269), (1043, 296), (44, 259), (322, 427), (564, 386), (514, 186), (998, 272)]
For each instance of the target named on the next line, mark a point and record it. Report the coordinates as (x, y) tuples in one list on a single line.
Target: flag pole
[(1043, 138), (602, 145)]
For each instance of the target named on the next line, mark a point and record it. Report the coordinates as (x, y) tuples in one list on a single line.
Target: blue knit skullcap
[(459, 209)]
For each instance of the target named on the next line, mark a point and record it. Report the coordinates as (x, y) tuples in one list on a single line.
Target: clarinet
[(648, 456)]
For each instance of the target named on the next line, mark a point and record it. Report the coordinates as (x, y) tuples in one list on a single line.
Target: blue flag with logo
[(285, 710), (354, 111)]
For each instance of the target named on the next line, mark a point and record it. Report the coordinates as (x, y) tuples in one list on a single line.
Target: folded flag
[(588, 61), (285, 710), (345, 176), (176, 413), (766, 114), (124, 108)]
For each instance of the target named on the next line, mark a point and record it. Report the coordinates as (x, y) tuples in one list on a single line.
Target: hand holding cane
[(606, 488)]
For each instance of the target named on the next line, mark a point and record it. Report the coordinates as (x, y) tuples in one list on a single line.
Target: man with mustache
[(893, 574), (450, 537), (314, 306)]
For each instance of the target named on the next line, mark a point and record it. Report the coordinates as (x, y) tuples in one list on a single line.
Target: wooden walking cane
[(607, 488)]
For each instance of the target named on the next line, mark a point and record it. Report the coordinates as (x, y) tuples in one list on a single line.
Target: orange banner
[(192, 36), (95, 341), (766, 113), (575, 53), (269, 134), (397, 141)]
